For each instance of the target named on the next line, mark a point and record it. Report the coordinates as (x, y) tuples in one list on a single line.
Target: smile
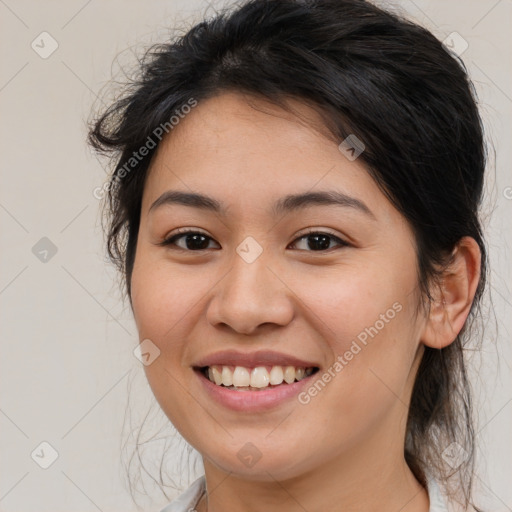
[(242, 378), (251, 382)]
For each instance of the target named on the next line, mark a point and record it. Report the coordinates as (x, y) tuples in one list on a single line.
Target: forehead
[(237, 123), (251, 153)]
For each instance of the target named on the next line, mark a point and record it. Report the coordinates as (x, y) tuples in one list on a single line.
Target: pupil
[(324, 244), (195, 244)]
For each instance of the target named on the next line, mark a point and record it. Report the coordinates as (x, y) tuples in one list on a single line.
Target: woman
[(294, 209)]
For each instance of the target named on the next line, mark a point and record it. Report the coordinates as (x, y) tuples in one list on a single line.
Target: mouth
[(255, 379), (254, 382)]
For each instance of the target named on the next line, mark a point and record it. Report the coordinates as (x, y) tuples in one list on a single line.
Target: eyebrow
[(286, 204)]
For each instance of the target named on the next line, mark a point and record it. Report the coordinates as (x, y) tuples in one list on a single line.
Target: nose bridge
[(249, 270), (250, 294)]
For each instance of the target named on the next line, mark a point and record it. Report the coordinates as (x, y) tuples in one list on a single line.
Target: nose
[(250, 296)]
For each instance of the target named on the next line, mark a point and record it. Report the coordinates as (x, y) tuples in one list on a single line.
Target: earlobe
[(454, 295)]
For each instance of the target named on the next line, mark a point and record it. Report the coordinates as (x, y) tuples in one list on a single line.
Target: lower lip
[(253, 401)]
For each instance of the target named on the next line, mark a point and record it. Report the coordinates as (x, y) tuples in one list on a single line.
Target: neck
[(375, 478)]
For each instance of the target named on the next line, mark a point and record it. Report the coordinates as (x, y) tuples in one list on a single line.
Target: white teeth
[(227, 376), (241, 377), (289, 374), (276, 375), (217, 376), (259, 377)]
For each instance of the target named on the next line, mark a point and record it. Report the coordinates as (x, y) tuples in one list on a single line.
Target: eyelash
[(170, 241)]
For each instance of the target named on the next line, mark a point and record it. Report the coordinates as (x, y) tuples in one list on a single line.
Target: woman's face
[(255, 292)]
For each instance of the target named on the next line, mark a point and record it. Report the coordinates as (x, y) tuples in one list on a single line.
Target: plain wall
[(67, 337)]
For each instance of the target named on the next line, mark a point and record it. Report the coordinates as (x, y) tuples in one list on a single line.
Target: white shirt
[(188, 500)]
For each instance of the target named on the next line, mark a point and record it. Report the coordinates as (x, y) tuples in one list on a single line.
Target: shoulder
[(188, 499)]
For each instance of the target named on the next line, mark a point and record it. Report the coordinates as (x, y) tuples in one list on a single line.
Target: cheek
[(161, 296), (168, 309), (162, 301), (354, 302), (366, 316)]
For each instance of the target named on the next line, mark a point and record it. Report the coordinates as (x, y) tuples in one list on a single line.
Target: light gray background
[(67, 337)]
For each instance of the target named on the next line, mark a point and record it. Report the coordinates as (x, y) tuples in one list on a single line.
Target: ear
[(453, 299)]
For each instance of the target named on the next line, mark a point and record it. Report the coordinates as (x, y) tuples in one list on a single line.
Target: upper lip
[(251, 360)]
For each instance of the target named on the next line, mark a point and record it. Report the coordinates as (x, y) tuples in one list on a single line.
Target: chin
[(252, 464)]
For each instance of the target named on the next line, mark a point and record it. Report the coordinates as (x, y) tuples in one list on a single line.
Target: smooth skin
[(344, 450)]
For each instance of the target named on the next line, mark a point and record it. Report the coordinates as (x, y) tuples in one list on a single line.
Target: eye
[(319, 240), (197, 241), (193, 240)]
